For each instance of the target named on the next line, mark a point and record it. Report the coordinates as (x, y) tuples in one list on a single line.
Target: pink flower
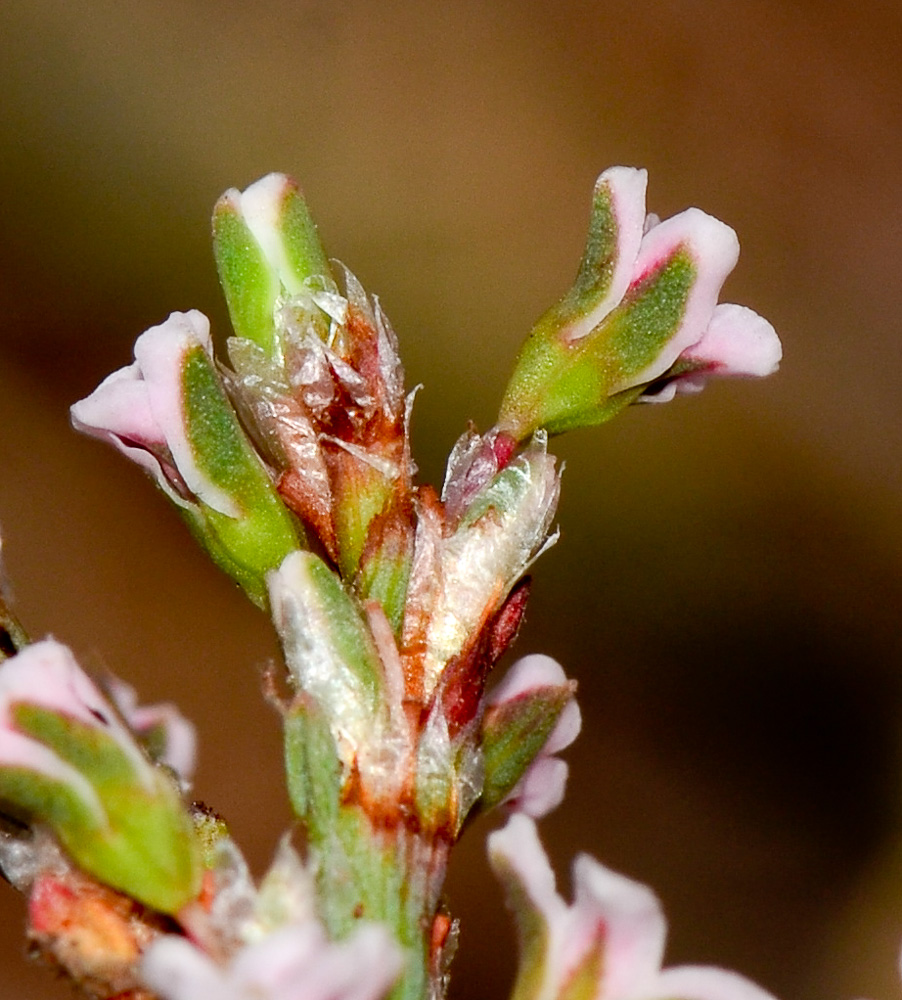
[(46, 675), (170, 413), (70, 763), (167, 735), (140, 410), (613, 932), (296, 962), (710, 338), (541, 789), (641, 322)]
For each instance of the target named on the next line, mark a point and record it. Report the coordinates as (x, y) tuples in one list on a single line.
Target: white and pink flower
[(295, 962), (711, 338), (47, 676), (141, 411), (541, 789), (614, 931), (642, 321)]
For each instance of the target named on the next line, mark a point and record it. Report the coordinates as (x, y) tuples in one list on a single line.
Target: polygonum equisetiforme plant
[(290, 463)]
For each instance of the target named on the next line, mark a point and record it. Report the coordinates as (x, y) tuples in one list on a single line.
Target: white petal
[(262, 205), (738, 342), (635, 928), (627, 188), (697, 982)]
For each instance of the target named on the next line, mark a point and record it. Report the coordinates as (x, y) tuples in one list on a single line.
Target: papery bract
[(504, 526), (607, 945)]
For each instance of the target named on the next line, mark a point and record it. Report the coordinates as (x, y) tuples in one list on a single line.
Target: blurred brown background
[(728, 584)]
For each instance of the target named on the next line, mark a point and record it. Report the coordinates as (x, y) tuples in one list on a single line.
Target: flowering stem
[(367, 868)]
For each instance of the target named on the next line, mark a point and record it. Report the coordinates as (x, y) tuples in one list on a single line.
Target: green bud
[(266, 247)]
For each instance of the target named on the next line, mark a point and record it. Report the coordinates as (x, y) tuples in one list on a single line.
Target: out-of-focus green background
[(728, 585)]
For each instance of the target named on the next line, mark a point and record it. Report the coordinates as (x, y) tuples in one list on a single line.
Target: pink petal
[(695, 982), (277, 965), (517, 847), (533, 671), (634, 927), (46, 674), (118, 412), (180, 737), (566, 730), (160, 353), (177, 970), (541, 789), (295, 962), (737, 342), (363, 967), (119, 408)]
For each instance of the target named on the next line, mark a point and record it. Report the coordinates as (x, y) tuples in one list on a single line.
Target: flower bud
[(529, 717), (266, 247)]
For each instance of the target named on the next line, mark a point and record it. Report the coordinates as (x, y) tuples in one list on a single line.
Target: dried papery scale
[(416, 621)]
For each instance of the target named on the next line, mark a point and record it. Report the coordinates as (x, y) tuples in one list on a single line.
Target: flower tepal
[(169, 413), (296, 962), (641, 321), (607, 945), (529, 717)]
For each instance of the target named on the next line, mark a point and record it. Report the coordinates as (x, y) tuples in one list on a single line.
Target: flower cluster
[(393, 604)]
